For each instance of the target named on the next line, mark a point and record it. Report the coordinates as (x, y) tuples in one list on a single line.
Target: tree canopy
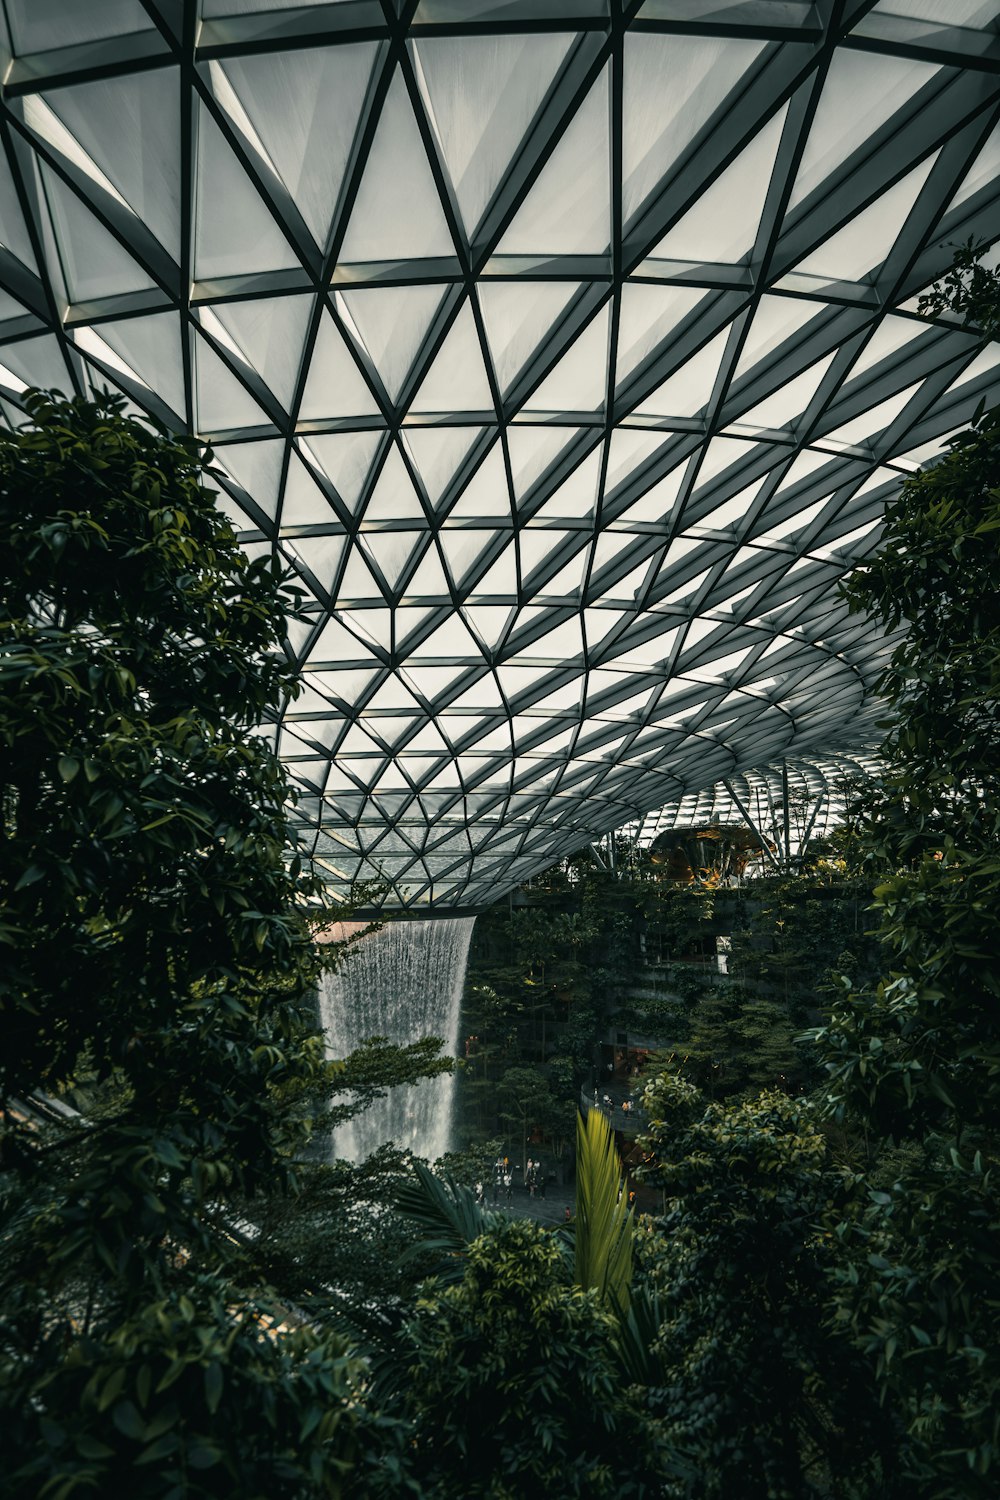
[(915, 1061), (160, 1054)]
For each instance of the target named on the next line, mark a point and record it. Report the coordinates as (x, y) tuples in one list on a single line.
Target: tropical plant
[(447, 1216), (513, 1385), (917, 1058), (160, 1060), (757, 1390), (196, 1397), (604, 1220)]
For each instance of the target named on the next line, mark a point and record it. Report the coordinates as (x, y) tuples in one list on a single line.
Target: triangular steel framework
[(786, 804), (568, 449)]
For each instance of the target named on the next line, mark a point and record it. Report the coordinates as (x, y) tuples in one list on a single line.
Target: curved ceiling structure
[(814, 788), (568, 352)]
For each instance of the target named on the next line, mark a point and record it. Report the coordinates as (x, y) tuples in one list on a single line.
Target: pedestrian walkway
[(548, 1210), (609, 1099)]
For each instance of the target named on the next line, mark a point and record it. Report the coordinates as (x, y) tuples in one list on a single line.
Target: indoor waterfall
[(403, 982)]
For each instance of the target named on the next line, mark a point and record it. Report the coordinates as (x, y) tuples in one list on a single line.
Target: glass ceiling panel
[(519, 316), (117, 123), (457, 380), (723, 224), (86, 257), (861, 92), (866, 241), (391, 277), (943, 12), (390, 324), (482, 93), (568, 210), (38, 25), (397, 213), (304, 107), (673, 85), (235, 234)]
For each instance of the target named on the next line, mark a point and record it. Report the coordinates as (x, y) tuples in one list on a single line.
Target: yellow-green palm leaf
[(603, 1217)]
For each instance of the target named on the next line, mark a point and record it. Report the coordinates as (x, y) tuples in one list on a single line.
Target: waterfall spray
[(403, 982)]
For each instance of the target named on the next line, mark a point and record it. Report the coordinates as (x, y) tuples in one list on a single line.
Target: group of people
[(503, 1177), (608, 1105), (503, 1181)]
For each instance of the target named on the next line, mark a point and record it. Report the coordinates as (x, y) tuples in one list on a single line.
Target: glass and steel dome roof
[(568, 351), (788, 805)]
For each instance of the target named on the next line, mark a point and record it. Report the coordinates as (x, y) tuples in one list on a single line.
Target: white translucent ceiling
[(567, 351), (815, 788)]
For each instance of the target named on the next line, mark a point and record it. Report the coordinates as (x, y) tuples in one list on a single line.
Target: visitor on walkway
[(508, 1185)]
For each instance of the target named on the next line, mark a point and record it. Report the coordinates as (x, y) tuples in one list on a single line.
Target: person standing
[(508, 1186)]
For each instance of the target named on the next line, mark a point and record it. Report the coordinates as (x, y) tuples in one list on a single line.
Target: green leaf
[(161, 1422), (604, 1221), (160, 1449), (202, 1454), (213, 1386), (68, 767), (143, 1384), (90, 1447), (128, 1421), (112, 1388)]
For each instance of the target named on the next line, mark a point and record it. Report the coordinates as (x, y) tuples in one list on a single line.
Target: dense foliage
[(514, 1388), (160, 1064), (917, 1059), (754, 1386), (581, 955)]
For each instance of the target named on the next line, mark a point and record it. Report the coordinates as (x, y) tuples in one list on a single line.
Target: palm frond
[(638, 1329), (604, 1222), (447, 1215)]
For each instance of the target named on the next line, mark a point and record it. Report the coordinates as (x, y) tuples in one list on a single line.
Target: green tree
[(970, 289), (524, 1096), (193, 1397), (761, 1395), (512, 1384), (740, 1042), (917, 1059), (154, 947)]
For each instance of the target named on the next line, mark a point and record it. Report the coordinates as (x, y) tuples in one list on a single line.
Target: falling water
[(403, 982)]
